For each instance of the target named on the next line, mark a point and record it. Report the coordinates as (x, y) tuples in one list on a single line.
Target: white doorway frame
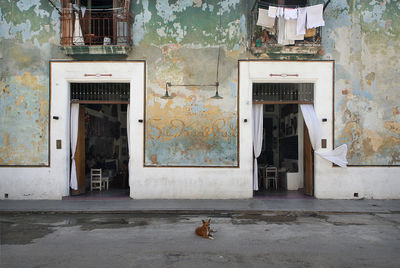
[(320, 73), (62, 73)]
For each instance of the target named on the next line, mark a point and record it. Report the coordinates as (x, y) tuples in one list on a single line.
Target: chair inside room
[(97, 181), (271, 174)]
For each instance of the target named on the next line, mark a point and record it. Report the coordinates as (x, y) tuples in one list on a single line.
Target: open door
[(308, 164), (80, 154)]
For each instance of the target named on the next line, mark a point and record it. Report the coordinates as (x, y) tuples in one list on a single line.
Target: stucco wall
[(363, 38), (29, 34)]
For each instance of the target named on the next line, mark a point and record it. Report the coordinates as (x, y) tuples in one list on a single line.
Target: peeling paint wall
[(364, 39), (180, 40), (29, 38)]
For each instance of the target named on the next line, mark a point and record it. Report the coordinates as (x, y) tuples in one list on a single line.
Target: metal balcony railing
[(111, 27)]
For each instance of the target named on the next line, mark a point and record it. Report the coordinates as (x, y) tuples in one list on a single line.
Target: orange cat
[(205, 230)]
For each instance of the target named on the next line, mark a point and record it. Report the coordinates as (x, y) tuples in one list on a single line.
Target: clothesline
[(94, 9), (264, 4)]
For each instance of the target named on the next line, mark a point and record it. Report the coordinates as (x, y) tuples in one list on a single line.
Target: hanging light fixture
[(167, 96), (217, 96)]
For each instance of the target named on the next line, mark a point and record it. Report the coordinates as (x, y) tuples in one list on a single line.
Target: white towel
[(315, 16), (301, 21), (290, 13), (282, 32), (279, 12), (290, 30), (264, 20), (272, 11)]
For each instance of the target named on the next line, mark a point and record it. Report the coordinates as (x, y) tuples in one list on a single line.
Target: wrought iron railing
[(111, 27), (100, 92), (302, 92)]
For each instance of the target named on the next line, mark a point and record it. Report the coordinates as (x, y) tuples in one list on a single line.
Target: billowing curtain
[(338, 155), (128, 135), (74, 141), (257, 139)]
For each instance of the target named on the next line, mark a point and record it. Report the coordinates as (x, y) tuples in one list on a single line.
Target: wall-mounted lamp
[(216, 96), (167, 96), (169, 84)]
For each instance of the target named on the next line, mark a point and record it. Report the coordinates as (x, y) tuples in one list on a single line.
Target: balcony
[(264, 40), (96, 32)]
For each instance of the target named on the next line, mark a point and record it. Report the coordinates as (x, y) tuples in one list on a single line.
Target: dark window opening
[(100, 92), (283, 92)]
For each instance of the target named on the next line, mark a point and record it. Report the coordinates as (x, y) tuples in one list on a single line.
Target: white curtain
[(74, 141), (257, 139), (128, 135), (338, 155)]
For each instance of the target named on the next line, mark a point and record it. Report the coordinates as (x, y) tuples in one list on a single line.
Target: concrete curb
[(200, 206)]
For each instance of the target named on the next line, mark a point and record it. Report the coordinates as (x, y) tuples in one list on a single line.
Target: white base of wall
[(292, 181)]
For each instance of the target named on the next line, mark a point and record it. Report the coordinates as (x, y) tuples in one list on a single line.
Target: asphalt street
[(273, 239)]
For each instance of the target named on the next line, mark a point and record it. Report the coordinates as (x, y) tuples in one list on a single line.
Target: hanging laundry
[(264, 20), (291, 32), (282, 32), (279, 12), (272, 11), (301, 21), (83, 11), (290, 13), (315, 16), (78, 37)]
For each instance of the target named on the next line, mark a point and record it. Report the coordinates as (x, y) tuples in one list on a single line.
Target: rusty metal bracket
[(284, 75), (98, 75)]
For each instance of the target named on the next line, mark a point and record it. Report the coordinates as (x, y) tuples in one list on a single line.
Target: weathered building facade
[(192, 145)]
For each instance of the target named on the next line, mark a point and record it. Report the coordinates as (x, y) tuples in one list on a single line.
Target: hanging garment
[(291, 29), (264, 20), (279, 12), (272, 11), (315, 16), (290, 13), (257, 139), (339, 154), (78, 37), (301, 21), (281, 34)]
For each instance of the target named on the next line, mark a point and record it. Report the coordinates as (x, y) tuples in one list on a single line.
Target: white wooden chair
[(97, 181), (274, 178)]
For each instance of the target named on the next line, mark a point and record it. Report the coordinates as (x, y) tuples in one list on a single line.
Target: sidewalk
[(199, 206)]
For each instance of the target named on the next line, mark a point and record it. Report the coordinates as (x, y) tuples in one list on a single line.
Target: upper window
[(95, 22)]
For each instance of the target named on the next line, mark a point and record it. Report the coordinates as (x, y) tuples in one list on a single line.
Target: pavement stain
[(253, 218)]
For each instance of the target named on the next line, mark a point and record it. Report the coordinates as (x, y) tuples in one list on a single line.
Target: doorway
[(102, 140), (285, 163)]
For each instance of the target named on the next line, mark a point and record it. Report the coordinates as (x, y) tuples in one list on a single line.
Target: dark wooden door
[(80, 154), (308, 164)]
